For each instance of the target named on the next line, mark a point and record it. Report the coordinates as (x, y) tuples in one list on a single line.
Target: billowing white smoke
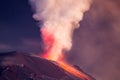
[(60, 18)]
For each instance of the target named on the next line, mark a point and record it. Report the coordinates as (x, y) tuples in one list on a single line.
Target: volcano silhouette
[(22, 66)]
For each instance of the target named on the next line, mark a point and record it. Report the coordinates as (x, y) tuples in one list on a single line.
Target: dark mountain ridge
[(22, 66)]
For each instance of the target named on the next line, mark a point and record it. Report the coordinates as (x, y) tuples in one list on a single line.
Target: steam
[(60, 18), (96, 45)]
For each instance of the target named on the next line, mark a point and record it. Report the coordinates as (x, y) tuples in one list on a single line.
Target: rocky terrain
[(22, 66)]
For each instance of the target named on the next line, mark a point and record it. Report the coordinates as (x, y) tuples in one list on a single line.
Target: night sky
[(18, 30), (96, 44)]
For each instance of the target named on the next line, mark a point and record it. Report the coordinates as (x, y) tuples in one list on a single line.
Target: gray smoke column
[(60, 18)]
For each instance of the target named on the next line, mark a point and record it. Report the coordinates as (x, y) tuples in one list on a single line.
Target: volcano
[(23, 66)]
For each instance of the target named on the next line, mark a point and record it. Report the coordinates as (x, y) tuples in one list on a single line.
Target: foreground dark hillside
[(21, 66)]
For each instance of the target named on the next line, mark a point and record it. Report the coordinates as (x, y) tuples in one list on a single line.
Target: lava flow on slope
[(53, 51)]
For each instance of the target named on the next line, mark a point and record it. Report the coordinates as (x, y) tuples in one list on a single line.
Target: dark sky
[(96, 44), (18, 30)]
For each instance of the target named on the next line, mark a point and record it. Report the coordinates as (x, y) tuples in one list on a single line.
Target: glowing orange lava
[(53, 52), (73, 71)]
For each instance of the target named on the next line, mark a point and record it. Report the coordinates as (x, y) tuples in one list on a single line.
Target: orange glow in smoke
[(51, 47), (53, 52)]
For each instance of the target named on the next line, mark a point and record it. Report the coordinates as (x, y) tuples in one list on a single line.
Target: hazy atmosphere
[(96, 43)]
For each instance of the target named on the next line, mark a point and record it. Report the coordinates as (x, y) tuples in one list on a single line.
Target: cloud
[(28, 45), (96, 44), (31, 45), (4, 47), (30, 42)]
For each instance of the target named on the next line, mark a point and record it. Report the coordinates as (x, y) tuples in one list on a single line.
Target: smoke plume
[(59, 18), (96, 44)]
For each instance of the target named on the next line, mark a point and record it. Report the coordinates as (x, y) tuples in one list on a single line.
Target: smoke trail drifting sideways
[(60, 18)]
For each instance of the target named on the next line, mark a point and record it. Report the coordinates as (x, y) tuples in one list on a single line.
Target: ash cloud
[(60, 18), (96, 44)]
